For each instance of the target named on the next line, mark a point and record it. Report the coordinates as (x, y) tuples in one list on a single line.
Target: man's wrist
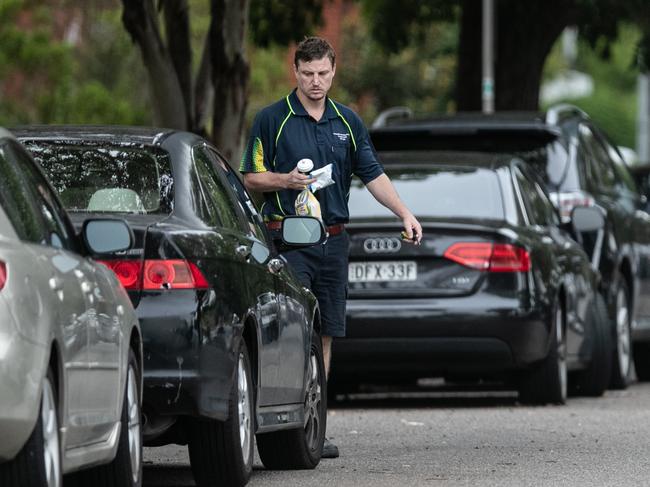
[(283, 180)]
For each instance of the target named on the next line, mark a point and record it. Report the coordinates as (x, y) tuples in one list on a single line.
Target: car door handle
[(275, 265), (243, 251)]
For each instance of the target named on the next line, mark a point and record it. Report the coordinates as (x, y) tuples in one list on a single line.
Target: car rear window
[(112, 179), (440, 191)]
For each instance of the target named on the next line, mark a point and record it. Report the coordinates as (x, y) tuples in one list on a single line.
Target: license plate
[(385, 271)]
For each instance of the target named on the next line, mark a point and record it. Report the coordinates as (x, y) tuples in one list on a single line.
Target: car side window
[(16, 200), (58, 234), (246, 204), (623, 175), (538, 206), (222, 207), (599, 165)]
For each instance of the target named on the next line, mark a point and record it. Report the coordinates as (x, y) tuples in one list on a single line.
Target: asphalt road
[(469, 438)]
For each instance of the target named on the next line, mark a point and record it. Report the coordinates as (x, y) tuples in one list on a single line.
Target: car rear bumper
[(440, 336), (189, 360)]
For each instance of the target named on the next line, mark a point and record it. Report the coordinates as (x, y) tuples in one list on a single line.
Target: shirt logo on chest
[(341, 137)]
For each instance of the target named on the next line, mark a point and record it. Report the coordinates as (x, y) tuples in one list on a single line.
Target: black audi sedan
[(579, 167), (498, 290), (230, 337)]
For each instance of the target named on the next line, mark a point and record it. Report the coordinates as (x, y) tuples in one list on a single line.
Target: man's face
[(315, 77)]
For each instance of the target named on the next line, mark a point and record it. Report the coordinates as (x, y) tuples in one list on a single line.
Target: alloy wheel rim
[(623, 333), (133, 413), (50, 425), (313, 404), (243, 407), (561, 353)]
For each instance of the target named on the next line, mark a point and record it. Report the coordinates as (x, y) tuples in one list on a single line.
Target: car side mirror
[(587, 219), (302, 231), (106, 235)]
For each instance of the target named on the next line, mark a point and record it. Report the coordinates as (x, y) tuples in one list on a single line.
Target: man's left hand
[(412, 230)]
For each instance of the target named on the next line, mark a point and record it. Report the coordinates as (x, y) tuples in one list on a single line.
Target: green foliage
[(612, 105), (420, 76), (271, 78), (52, 81), (396, 25), (283, 21)]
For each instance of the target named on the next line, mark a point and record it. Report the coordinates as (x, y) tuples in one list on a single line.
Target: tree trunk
[(203, 91), (140, 20), (177, 28), (230, 74), (536, 25)]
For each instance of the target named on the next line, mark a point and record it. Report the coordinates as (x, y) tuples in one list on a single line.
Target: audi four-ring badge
[(382, 245)]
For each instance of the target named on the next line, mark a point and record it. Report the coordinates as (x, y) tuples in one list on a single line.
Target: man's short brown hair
[(314, 48)]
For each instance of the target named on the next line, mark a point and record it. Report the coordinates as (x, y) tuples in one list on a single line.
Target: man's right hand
[(276, 181), (297, 180)]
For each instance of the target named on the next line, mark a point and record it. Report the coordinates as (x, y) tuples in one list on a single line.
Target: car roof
[(500, 132), (115, 134)]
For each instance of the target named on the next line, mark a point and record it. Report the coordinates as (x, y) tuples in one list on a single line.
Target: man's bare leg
[(327, 353), (329, 449)]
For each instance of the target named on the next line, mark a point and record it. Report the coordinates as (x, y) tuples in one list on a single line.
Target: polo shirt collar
[(299, 110)]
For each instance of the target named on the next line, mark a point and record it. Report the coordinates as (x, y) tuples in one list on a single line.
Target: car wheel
[(126, 468), (594, 380), (301, 448), (39, 461), (221, 452), (547, 382), (622, 356)]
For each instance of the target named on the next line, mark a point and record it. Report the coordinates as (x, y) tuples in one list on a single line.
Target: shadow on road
[(156, 475), (436, 397)]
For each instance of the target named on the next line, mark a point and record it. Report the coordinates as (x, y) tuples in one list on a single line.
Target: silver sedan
[(70, 346)]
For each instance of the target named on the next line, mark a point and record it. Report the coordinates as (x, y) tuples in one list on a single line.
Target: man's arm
[(384, 192), (261, 182)]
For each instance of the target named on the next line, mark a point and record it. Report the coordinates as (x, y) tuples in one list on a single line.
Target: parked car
[(498, 289), (584, 168), (230, 336), (581, 167), (70, 343)]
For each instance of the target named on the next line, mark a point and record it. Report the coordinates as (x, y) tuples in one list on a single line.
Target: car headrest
[(116, 199)]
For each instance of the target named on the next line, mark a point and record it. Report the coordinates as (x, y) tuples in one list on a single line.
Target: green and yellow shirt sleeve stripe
[(253, 157)]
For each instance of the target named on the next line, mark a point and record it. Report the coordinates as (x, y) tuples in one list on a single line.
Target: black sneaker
[(330, 450)]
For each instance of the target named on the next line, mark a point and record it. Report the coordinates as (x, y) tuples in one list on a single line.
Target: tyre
[(221, 452), (126, 468), (594, 380), (38, 464), (301, 448), (642, 361), (622, 349), (547, 381)]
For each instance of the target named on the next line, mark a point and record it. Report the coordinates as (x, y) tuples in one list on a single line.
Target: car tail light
[(475, 255), (509, 258), (157, 274), (3, 274), (486, 256), (568, 200)]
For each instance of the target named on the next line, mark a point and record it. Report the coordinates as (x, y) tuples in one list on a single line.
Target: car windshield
[(435, 191), (113, 179)]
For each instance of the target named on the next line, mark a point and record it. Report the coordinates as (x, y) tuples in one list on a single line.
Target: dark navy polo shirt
[(284, 133)]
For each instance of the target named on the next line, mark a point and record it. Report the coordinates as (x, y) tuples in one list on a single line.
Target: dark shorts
[(324, 269)]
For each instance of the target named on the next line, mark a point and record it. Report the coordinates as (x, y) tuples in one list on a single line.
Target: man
[(308, 124)]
